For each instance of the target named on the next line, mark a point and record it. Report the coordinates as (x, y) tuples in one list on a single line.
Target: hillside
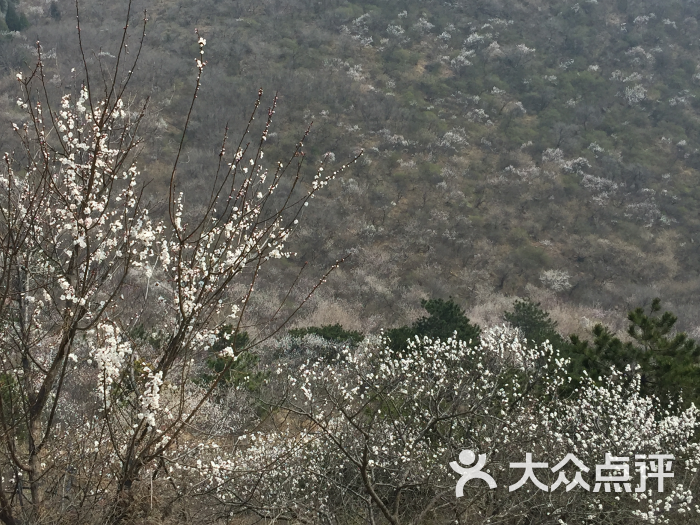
[(541, 149)]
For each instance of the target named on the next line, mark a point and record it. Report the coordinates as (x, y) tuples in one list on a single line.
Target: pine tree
[(535, 323), (446, 318), (669, 364)]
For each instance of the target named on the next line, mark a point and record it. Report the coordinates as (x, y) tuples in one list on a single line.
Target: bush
[(331, 332)]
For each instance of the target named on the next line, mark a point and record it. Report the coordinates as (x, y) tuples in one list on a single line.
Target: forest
[(301, 261)]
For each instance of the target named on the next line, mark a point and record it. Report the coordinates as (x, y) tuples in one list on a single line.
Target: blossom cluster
[(373, 421)]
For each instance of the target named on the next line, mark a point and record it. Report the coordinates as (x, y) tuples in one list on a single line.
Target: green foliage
[(595, 359), (54, 11), (669, 363), (233, 371), (16, 21), (538, 327), (333, 337), (531, 258), (330, 332), (239, 371), (446, 317), (535, 323), (155, 339)]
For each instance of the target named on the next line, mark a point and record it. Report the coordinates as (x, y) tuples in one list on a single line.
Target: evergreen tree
[(596, 359), (15, 20), (535, 323), (54, 11), (669, 363), (445, 318)]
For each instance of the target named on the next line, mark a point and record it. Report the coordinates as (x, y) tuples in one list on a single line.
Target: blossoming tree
[(106, 313)]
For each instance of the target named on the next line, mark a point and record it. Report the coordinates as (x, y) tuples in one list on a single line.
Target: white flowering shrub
[(370, 436), (462, 60), (556, 280), (453, 138), (635, 94)]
